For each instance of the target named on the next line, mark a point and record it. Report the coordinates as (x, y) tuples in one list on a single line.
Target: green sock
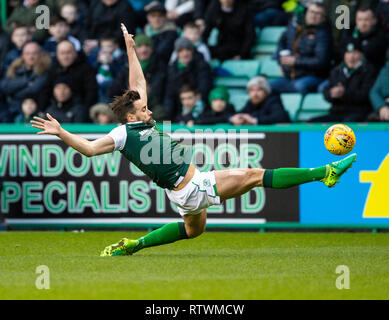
[(290, 177), (167, 234)]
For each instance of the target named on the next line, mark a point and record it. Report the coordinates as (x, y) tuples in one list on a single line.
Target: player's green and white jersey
[(155, 153)]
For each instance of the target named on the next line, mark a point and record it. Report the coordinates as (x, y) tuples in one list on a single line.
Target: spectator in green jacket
[(379, 94)]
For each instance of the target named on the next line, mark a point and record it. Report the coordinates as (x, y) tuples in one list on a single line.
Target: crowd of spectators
[(74, 68)]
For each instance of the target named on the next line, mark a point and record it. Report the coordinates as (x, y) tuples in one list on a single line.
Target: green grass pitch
[(217, 265)]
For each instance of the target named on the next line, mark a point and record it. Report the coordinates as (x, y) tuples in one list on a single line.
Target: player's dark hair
[(124, 104)]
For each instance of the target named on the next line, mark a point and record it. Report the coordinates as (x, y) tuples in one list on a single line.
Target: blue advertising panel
[(362, 196)]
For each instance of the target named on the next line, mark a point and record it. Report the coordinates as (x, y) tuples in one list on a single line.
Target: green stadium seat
[(267, 41), (271, 69), (262, 57), (242, 68), (231, 82), (271, 34), (314, 105), (292, 103), (308, 115), (315, 102), (212, 39), (215, 63), (239, 100), (264, 48), (238, 91)]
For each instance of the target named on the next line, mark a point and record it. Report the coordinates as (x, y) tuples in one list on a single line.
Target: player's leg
[(168, 233), (195, 224), (192, 227), (235, 182)]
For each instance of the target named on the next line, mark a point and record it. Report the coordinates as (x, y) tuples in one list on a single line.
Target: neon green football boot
[(123, 248), (336, 170)]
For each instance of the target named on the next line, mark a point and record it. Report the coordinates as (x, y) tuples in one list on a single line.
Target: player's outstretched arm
[(137, 80), (82, 145)]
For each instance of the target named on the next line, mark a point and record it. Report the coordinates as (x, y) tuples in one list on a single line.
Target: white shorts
[(198, 194)]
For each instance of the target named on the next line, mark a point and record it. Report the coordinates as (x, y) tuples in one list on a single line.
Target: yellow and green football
[(339, 139)]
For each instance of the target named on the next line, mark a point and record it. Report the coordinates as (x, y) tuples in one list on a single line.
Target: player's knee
[(193, 232)]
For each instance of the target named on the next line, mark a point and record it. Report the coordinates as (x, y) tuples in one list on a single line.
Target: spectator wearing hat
[(154, 70), (189, 68), (193, 33), (72, 65), (101, 113), (160, 30), (179, 11), (304, 53), (263, 107), (372, 38), (236, 29), (191, 105), (220, 111), (64, 106), (379, 94), (26, 76), (349, 87)]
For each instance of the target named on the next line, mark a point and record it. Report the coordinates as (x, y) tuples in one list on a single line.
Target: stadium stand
[(313, 105)]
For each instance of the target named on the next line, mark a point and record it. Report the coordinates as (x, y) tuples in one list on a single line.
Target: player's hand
[(50, 126), (128, 38)]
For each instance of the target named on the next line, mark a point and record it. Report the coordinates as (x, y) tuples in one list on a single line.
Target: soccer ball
[(339, 139)]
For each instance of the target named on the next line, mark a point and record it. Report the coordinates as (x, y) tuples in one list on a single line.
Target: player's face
[(365, 21), (142, 112)]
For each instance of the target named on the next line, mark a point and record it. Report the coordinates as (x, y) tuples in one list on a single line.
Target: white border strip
[(184, 135), (115, 221)]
